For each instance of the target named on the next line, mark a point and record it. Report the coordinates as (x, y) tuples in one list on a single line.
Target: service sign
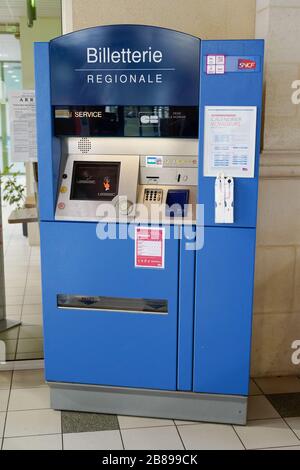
[(125, 64)]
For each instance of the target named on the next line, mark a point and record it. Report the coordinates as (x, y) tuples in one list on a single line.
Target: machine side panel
[(223, 312), (49, 147), (238, 88), (118, 348), (186, 316)]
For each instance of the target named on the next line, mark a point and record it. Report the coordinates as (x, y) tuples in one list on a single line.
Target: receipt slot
[(131, 139)]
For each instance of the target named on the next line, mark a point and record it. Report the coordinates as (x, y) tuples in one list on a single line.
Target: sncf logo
[(246, 64)]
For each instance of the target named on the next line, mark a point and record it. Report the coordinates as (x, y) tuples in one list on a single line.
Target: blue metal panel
[(178, 68), (243, 88), (186, 317), (223, 312), (102, 347), (49, 148)]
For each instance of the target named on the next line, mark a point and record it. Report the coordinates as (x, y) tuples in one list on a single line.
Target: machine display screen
[(126, 121), (95, 181)]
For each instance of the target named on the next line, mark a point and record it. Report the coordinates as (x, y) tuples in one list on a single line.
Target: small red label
[(246, 64), (61, 205)]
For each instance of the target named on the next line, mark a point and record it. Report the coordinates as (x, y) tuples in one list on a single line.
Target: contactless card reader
[(176, 203)]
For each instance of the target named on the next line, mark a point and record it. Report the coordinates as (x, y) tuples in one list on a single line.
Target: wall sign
[(123, 65), (22, 117), (149, 247), (229, 141)]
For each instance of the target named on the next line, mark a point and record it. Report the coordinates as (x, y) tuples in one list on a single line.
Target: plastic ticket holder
[(224, 200), (176, 203)]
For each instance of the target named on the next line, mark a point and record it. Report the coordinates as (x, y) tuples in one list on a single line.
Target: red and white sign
[(246, 64), (149, 247)]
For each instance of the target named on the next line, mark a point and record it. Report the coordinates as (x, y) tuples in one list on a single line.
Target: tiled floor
[(23, 293), (27, 422)]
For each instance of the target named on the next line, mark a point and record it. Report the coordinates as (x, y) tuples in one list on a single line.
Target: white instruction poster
[(229, 141), (22, 126)]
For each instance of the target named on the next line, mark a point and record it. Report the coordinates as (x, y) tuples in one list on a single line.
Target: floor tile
[(284, 448), (50, 442), (266, 433), (32, 299), (14, 290), (29, 399), (31, 332), (159, 438), (30, 345), (210, 437), (254, 389), (13, 310), (181, 422), (2, 421), (34, 309), (270, 385), (73, 422), (287, 404), (29, 355), (4, 394), (14, 299), (294, 423), (34, 422), (259, 407), (5, 379), (28, 378), (99, 440), (132, 422)]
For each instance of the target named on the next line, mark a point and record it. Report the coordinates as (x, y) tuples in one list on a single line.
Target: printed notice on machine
[(149, 247), (22, 126), (229, 141)]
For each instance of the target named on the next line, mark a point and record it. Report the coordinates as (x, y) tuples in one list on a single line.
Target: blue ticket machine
[(148, 152)]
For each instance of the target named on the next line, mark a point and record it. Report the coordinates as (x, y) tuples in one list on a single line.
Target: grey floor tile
[(4, 394), (2, 421), (32, 423), (5, 379), (266, 433), (206, 436), (287, 404), (159, 438), (98, 440), (294, 423), (28, 378), (36, 398), (73, 422), (259, 407), (132, 422), (47, 442)]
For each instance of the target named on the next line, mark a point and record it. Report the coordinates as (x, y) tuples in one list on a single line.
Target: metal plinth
[(8, 324), (227, 409)]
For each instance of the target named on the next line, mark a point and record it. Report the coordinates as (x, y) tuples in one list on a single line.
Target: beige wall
[(43, 29), (208, 19), (277, 279)]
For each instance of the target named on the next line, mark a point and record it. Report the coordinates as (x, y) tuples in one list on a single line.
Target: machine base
[(227, 409)]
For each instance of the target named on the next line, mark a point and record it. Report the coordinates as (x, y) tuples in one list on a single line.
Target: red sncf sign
[(246, 64)]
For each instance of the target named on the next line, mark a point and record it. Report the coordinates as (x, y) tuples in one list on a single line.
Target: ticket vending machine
[(148, 152)]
